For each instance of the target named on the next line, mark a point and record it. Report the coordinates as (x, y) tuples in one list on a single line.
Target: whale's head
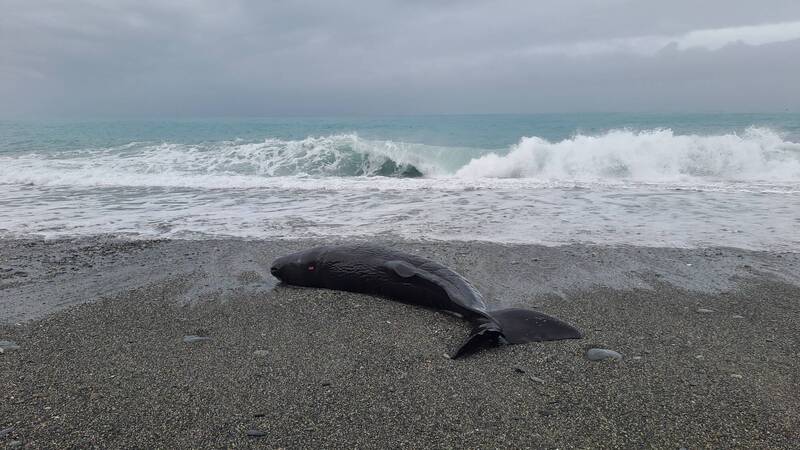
[(301, 268)]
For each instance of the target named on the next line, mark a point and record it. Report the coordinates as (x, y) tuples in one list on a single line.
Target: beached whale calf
[(419, 281)]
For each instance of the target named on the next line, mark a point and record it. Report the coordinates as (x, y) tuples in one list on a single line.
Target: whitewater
[(656, 186)]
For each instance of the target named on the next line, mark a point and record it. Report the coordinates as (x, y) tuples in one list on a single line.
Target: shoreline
[(34, 272), (103, 362)]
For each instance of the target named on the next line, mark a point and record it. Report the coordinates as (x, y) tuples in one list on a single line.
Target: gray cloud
[(192, 58)]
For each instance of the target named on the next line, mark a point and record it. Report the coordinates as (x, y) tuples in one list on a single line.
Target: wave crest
[(653, 155), (219, 164), (336, 155)]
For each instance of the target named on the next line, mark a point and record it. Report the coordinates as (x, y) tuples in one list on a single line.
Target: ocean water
[(674, 180)]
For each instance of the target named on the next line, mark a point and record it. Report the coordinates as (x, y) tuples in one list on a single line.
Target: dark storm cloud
[(193, 58)]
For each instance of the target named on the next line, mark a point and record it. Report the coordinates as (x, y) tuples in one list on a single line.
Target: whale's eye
[(311, 268)]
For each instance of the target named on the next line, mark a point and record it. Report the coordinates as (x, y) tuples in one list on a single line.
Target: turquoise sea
[(645, 179)]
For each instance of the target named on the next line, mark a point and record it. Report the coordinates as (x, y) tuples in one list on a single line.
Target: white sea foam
[(652, 156)]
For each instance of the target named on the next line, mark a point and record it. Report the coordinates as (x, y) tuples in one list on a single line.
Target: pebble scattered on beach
[(705, 310), (8, 345), (256, 433), (601, 354)]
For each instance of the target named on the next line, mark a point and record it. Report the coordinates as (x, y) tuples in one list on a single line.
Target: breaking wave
[(221, 164), (758, 154)]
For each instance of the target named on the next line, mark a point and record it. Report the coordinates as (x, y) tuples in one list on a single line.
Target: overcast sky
[(246, 58)]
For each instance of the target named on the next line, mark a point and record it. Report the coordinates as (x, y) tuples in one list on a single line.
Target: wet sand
[(709, 338)]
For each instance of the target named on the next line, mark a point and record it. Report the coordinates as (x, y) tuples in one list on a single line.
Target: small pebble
[(736, 375), (601, 354), (737, 316), (537, 379), (261, 353), (256, 433), (190, 339), (8, 345), (705, 310), (519, 370)]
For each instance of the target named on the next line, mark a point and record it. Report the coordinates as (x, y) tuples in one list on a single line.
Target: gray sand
[(104, 360)]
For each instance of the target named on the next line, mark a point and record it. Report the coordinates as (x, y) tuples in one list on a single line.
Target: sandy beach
[(631, 169), (109, 354)]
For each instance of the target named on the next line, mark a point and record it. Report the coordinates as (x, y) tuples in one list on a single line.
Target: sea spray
[(649, 156)]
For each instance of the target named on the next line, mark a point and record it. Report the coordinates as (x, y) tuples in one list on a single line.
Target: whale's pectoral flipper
[(516, 326), (405, 270), (401, 268)]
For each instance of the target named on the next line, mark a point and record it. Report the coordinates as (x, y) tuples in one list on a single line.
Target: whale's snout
[(299, 268), (276, 269)]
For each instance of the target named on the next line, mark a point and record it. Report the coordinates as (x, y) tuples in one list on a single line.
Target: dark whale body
[(419, 281)]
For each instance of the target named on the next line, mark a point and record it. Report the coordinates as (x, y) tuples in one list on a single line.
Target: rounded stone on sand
[(603, 354), (256, 433), (191, 339), (8, 345)]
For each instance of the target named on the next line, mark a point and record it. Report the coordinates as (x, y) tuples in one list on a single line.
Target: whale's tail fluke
[(515, 326)]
